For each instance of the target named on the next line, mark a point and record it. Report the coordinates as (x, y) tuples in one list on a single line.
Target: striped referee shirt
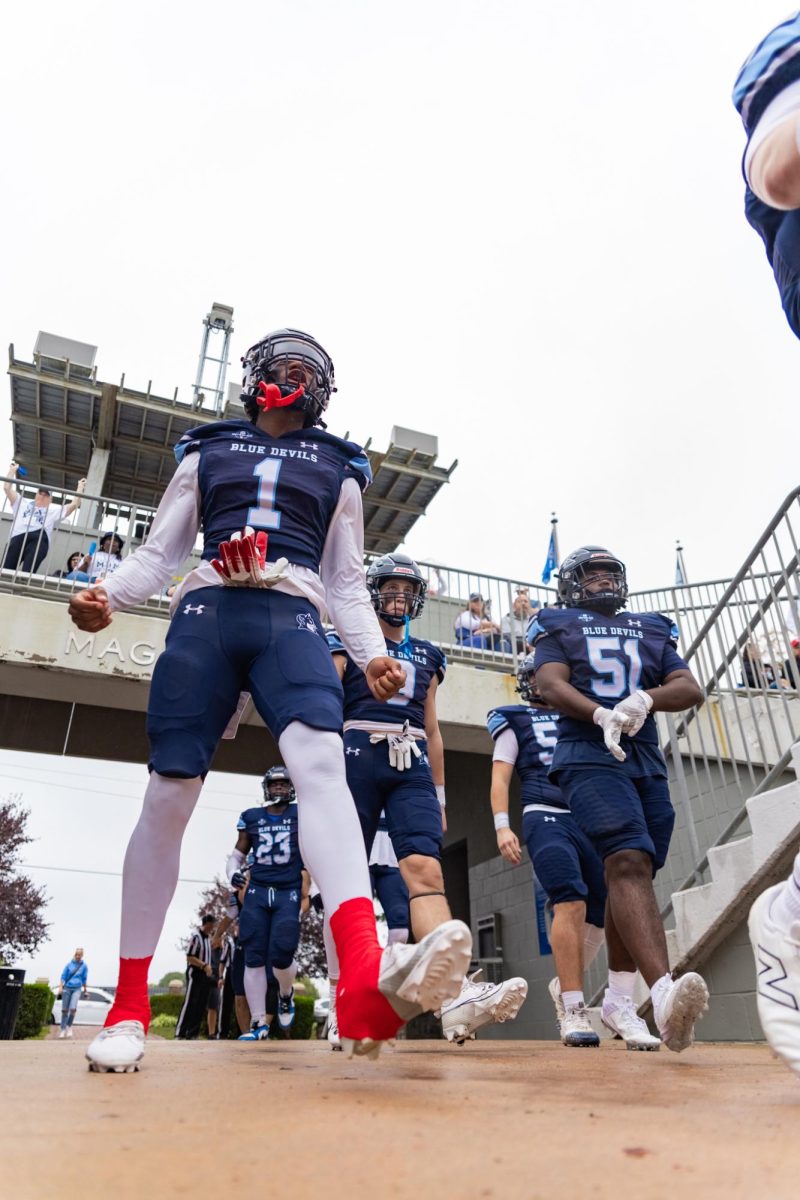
[(200, 947)]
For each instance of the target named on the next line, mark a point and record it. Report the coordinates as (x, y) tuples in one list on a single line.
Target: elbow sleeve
[(234, 863)]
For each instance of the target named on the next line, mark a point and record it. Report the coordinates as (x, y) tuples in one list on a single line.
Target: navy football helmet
[(266, 386), (526, 683), (572, 580), (395, 566), (277, 787)]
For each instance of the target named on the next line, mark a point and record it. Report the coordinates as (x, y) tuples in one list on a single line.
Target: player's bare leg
[(567, 938), (676, 1004), (618, 1012)]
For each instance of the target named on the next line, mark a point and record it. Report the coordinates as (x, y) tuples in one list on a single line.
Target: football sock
[(397, 935), (255, 989), (362, 1011), (621, 985), (330, 949), (593, 938), (785, 908), (572, 999), (285, 977), (131, 1001), (152, 862)]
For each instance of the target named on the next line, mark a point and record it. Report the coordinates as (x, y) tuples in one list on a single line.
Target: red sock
[(361, 1009), (131, 1002)]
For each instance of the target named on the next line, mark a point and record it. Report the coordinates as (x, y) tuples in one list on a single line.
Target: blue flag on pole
[(552, 557)]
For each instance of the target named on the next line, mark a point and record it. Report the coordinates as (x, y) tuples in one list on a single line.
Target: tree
[(167, 979), (22, 926), (214, 900), (311, 951)]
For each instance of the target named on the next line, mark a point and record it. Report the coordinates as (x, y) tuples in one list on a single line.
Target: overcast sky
[(516, 225)]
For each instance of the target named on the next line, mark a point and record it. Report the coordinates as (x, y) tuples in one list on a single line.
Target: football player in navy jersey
[(564, 861), (269, 925), (388, 884), (767, 97), (394, 758), (247, 619), (606, 671)]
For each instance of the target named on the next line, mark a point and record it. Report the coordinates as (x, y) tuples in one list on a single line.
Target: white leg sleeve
[(330, 950), (397, 936), (330, 831), (285, 977), (152, 862), (255, 989), (593, 938)]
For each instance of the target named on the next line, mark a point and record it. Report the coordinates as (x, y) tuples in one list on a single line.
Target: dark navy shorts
[(565, 862), (269, 926), (413, 814), (389, 886), (620, 812), (223, 641)]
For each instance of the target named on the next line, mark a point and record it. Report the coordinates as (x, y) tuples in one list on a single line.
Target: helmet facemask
[(580, 569), (395, 568), (526, 683), (288, 369), (277, 787)]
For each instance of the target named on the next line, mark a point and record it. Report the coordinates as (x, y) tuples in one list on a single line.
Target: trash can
[(11, 981)]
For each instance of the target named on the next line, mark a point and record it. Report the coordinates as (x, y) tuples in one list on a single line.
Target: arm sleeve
[(506, 747), (342, 574), (171, 539)]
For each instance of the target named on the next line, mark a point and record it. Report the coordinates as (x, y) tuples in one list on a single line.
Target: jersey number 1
[(265, 515)]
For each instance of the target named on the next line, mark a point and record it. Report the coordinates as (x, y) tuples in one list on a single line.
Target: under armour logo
[(309, 445), (190, 608), (638, 624), (772, 973), (550, 819), (306, 621), (353, 750)]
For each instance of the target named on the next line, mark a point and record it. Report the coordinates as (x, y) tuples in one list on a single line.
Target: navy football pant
[(413, 814), (269, 925), (223, 641), (390, 888), (620, 812), (565, 862)]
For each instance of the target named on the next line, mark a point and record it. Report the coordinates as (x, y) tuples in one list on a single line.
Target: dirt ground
[(491, 1119)]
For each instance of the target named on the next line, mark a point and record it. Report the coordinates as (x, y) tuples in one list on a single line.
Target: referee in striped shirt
[(199, 980)]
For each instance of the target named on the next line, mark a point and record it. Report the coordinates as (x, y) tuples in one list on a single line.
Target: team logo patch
[(243, 433), (292, 895), (585, 617), (306, 621)]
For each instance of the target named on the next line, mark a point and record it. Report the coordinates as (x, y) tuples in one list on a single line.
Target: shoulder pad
[(663, 624), (335, 644), (224, 430), (497, 721), (545, 621)]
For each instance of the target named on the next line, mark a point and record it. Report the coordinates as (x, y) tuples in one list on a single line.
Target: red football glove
[(243, 561)]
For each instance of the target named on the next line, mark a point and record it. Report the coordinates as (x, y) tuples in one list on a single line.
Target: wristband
[(501, 821), (440, 795)]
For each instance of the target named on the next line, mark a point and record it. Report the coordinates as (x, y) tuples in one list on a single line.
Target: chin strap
[(270, 396), (406, 642)]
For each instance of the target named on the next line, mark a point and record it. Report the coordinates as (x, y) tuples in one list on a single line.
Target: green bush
[(35, 1010), (171, 1005)]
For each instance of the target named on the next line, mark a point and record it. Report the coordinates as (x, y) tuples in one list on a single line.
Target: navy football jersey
[(276, 848), (421, 661), (536, 731), (608, 658), (288, 486)]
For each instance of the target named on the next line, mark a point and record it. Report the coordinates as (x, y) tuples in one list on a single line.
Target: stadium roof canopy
[(63, 415)]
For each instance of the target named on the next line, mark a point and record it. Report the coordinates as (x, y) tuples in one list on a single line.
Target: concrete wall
[(730, 974)]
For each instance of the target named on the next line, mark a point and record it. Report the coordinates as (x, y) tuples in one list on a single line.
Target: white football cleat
[(683, 1005), (69, 1031), (621, 1017), (334, 1041), (423, 977), (554, 988), (117, 1047), (777, 957), (479, 1004), (62, 1033), (576, 1028)]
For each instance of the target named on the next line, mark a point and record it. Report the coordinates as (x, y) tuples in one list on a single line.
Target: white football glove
[(612, 724), (401, 747), (634, 709), (243, 561)]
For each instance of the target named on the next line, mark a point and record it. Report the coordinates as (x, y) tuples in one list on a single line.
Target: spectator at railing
[(475, 627), (73, 563), (757, 673), (34, 521), (515, 623), (101, 561), (791, 668)]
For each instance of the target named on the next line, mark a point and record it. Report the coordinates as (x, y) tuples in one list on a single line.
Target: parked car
[(321, 1009), (92, 1008)]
